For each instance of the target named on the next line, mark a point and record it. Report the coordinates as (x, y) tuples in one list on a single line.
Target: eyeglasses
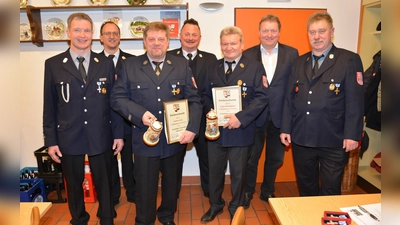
[(108, 34)]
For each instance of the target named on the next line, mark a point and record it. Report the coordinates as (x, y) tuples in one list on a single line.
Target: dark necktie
[(158, 68), (190, 57), (229, 70), (316, 65), (82, 68), (111, 56)]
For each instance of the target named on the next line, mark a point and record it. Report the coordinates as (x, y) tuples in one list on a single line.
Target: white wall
[(345, 14)]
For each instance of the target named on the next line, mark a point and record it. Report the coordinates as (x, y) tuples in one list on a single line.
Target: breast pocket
[(140, 92)]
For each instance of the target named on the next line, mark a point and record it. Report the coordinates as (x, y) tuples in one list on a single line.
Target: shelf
[(376, 33), (34, 15)]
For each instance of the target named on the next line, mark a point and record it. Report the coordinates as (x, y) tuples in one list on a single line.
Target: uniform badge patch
[(265, 82), (360, 78)]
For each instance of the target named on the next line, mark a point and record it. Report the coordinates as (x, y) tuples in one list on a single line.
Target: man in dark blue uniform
[(237, 134), (144, 84), (323, 111), (277, 59), (190, 37), (110, 38), (78, 119)]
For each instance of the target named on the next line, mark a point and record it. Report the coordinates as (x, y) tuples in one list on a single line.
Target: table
[(309, 210), (25, 210)]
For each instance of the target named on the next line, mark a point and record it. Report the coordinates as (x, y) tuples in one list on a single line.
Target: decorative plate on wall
[(54, 29), (136, 2), (23, 3), (137, 25), (25, 33), (60, 2), (172, 2), (97, 2)]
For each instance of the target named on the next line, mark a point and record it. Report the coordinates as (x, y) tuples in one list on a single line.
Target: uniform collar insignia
[(169, 62), (65, 60), (145, 62), (178, 52), (123, 57), (201, 56), (331, 56), (96, 60), (241, 65)]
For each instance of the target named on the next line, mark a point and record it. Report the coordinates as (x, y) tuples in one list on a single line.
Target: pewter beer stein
[(212, 129), (152, 136)]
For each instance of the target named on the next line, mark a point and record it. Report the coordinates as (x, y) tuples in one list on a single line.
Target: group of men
[(100, 104)]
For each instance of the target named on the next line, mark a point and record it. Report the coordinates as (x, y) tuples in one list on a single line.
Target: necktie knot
[(189, 55), (158, 68), (111, 56), (82, 69)]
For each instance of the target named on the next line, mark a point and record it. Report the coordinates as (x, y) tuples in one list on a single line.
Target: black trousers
[(202, 153), (218, 156), (127, 172), (255, 153), (73, 171), (319, 165), (275, 152), (147, 175)]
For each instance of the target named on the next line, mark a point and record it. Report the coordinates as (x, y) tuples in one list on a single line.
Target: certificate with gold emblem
[(176, 119), (227, 100)]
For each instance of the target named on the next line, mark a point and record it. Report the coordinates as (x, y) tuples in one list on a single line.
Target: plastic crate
[(46, 166), (28, 173), (32, 190)]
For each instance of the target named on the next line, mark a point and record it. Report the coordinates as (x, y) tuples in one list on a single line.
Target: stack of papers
[(365, 214)]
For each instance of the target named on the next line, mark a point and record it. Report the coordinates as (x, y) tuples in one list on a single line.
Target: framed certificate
[(176, 119), (227, 100)]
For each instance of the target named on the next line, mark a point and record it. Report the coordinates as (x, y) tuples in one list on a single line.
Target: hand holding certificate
[(227, 100)]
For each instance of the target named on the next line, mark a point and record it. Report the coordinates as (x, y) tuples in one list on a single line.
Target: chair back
[(240, 217), (35, 216)]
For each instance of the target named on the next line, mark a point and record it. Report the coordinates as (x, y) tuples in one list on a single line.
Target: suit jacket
[(138, 90), (78, 117), (251, 73), (278, 84), (203, 60), (314, 113), (121, 58)]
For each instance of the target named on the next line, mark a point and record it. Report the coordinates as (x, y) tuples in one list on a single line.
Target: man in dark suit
[(323, 110), (277, 59), (78, 119), (190, 37), (237, 134), (144, 84), (110, 38)]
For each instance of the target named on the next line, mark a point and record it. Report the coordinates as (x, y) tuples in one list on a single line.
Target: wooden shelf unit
[(34, 15)]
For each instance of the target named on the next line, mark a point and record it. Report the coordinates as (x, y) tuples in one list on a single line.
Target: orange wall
[(293, 33)]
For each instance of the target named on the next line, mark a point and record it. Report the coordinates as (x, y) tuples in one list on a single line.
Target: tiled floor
[(192, 205)]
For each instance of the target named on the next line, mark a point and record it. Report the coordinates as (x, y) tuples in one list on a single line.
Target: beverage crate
[(28, 173), (32, 190), (46, 166), (54, 189)]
